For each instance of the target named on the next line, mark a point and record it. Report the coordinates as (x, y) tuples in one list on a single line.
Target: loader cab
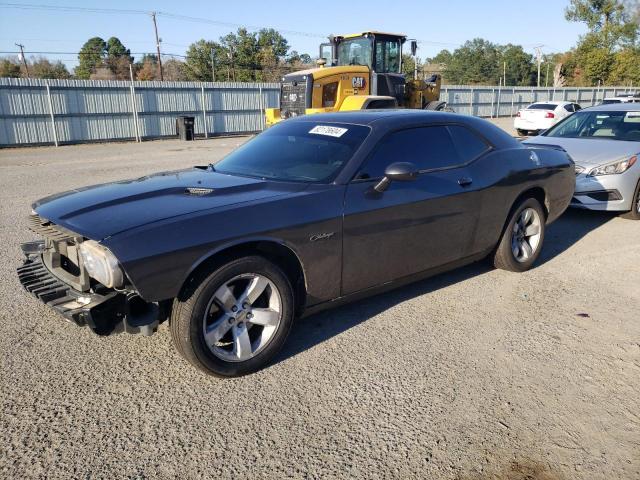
[(381, 52)]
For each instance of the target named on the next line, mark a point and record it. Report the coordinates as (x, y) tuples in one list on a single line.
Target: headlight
[(101, 264), (620, 166)]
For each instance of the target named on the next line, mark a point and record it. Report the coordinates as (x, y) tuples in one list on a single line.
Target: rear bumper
[(105, 314)]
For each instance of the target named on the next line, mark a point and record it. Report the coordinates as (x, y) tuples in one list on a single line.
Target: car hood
[(100, 211), (589, 152)]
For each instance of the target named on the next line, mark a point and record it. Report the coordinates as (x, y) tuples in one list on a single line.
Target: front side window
[(614, 125), (297, 152), (356, 51), (428, 148), (387, 56)]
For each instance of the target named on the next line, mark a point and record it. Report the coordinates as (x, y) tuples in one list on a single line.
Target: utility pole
[(504, 74), (546, 80), (213, 66), (539, 60), (158, 40), (24, 60)]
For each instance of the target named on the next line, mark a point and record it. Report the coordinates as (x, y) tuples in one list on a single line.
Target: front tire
[(234, 320), (522, 239), (634, 214)]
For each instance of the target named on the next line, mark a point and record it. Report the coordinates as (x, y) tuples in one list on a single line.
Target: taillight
[(550, 115)]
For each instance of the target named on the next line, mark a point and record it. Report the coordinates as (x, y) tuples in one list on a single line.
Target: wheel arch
[(539, 193), (273, 250)]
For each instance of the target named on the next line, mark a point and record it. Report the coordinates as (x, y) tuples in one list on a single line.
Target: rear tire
[(521, 133), (522, 238), (634, 214), (234, 320), (436, 106)]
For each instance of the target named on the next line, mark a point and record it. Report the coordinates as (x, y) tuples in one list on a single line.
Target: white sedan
[(542, 115)]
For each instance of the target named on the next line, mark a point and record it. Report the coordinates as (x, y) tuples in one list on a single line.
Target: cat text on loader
[(356, 72)]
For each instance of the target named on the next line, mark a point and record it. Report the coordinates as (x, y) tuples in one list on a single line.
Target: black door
[(412, 226)]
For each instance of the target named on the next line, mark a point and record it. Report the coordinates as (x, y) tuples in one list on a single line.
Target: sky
[(437, 24)]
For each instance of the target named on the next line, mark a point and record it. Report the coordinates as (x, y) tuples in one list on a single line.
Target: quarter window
[(426, 147)]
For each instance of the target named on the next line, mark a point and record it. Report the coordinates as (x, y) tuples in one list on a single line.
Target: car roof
[(615, 107), (391, 119)]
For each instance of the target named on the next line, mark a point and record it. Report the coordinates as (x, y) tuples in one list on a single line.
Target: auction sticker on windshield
[(330, 131)]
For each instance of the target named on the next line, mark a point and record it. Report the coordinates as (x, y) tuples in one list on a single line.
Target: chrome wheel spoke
[(532, 230), (215, 332), (225, 297), (526, 216), (527, 251), (241, 342), (265, 317), (255, 288)]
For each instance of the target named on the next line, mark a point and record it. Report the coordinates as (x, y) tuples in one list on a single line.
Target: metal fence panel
[(101, 110)]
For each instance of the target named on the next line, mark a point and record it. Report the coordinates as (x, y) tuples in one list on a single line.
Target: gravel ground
[(475, 374)]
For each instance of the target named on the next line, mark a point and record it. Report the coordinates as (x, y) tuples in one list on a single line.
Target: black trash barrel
[(184, 126)]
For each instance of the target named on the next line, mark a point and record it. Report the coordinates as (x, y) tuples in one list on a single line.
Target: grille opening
[(69, 267)]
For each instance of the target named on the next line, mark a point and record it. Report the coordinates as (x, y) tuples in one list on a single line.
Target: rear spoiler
[(549, 147)]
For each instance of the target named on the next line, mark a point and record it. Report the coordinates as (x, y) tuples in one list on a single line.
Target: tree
[(475, 62), (625, 67), (43, 68), (520, 69), (613, 29), (9, 67), (90, 57), (174, 70), (198, 65), (147, 68)]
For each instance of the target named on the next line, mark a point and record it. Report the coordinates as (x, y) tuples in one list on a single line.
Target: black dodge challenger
[(315, 211)]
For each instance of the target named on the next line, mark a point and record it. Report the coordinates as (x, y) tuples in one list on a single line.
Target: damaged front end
[(55, 272)]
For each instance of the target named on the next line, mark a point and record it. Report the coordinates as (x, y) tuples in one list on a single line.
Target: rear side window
[(426, 147), (569, 108), (576, 107), (468, 145), (542, 106)]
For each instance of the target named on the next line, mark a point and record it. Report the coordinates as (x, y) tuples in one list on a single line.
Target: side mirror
[(397, 172)]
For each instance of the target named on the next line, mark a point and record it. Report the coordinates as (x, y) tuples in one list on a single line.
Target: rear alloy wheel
[(522, 239), (634, 214), (236, 319)]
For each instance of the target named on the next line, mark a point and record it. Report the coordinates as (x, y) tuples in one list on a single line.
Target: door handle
[(465, 181)]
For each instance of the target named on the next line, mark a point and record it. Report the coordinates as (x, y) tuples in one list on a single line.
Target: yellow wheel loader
[(356, 72)]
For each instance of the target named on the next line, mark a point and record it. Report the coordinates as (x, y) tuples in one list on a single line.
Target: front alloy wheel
[(233, 320), (242, 317)]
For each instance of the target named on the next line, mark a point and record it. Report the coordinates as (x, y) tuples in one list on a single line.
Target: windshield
[(357, 51), (298, 152), (598, 124)]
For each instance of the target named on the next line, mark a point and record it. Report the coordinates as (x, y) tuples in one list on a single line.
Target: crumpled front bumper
[(104, 314)]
